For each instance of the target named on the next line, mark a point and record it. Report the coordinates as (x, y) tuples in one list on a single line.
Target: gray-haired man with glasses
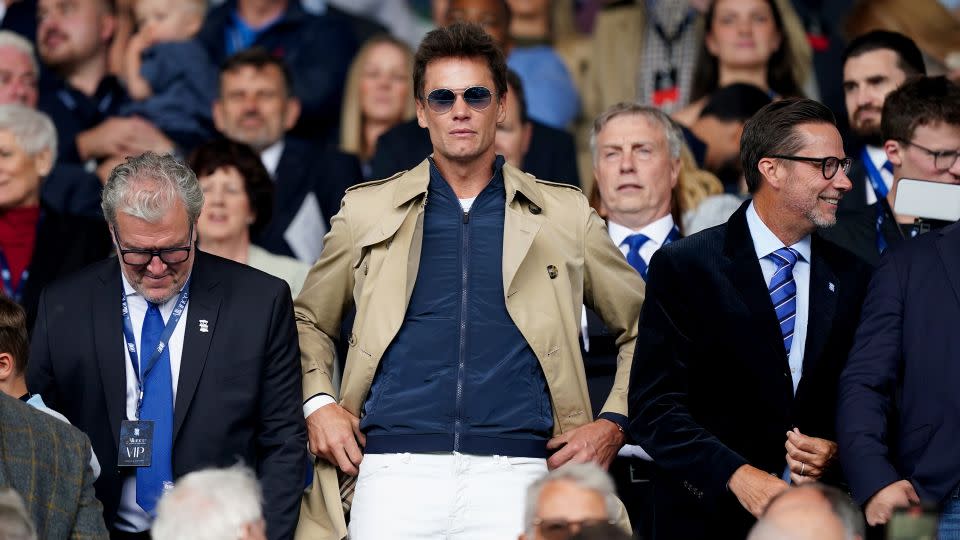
[(171, 359)]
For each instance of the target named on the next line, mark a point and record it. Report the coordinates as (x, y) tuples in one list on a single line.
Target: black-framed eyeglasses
[(562, 529), (828, 165), (943, 160), (441, 100), (142, 257)]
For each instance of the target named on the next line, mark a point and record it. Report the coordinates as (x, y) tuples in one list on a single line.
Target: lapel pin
[(204, 326), (831, 286)]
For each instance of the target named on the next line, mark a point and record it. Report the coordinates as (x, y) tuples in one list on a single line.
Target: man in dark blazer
[(898, 416), (255, 107), (47, 462), (215, 373), (744, 332)]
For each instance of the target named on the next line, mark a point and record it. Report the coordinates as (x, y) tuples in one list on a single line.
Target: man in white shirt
[(636, 157)]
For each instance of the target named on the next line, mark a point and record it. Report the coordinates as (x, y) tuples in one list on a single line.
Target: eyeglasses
[(441, 100), (142, 257), (943, 160), (828, 165), (562, 529)]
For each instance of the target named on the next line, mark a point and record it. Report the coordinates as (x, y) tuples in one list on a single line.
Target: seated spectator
[(212, 504), (33, 444), (255, 107), (758, 42), (18, 70), (317, 48), (237, 204), (378, 96), (810, 512), (37, 244), (513, 134), (718, 129), (167, 73), (554, 100), (568, 499), (15, 523)]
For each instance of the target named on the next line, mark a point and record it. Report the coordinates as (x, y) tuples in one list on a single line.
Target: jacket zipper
[(462, 364)]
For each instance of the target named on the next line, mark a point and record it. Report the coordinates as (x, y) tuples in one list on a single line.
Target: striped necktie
[(783, 292), (634, 242)]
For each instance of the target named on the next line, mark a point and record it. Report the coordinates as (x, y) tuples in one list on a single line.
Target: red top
[(18, 235)]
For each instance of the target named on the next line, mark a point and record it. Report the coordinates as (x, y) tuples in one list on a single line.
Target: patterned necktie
[(634, 242), (783, 292), (158, 407)]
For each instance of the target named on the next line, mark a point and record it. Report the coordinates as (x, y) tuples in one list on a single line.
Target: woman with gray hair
[(37, 243)]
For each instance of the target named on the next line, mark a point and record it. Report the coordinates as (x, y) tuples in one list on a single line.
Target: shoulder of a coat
[(547, 183), (373, 183)]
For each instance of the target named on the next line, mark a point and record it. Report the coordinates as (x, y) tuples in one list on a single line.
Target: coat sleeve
[(867, 385), (614, 290), (40, 376), (89, 520), (660, 419)]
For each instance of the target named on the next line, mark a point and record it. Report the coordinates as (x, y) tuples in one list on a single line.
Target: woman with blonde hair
[(378, 96)]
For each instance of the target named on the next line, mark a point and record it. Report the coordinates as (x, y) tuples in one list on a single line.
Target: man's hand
[(334, 434), (596, 442), (754, 488), (880, 507), (808, 457)]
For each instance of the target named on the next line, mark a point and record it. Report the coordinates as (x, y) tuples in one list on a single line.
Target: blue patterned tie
[(783, 292), (634, 242), (158, 407)]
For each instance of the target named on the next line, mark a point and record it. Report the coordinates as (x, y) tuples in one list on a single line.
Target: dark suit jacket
[(711, 388), (306, 168), (552, 154), (899, 409), (64, 244), (239, 392), (47, 462)]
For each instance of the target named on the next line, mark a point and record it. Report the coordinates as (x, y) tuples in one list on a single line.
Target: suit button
[(534, 209)]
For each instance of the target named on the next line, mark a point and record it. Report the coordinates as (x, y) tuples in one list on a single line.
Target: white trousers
[(441, 496)]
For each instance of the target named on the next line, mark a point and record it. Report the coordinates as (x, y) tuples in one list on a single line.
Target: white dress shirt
[(130, 517), (878, 157), (270, 157)]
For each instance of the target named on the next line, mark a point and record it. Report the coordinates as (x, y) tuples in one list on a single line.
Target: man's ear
[(291, 113), (894, 152), (421, 114), (771, 170), (8, 370), (218, 115)]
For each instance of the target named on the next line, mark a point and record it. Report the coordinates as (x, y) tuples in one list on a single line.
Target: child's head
[(14, 345), (170, 20)]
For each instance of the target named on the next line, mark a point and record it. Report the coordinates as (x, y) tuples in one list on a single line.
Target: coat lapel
[(520, 226), (108, 342), (822, 305), (205, 299)]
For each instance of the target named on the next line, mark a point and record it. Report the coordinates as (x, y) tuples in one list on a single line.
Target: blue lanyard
[(16, 294), (873, 174), (164, 338)]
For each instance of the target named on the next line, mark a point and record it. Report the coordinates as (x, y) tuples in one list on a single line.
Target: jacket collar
[(416, 182)]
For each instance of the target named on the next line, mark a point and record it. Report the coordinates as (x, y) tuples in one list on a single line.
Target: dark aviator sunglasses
[(477, 98)]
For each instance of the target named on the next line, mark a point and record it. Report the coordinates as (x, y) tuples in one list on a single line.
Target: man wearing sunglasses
[(170, 359), (463, 381), (743, 334)]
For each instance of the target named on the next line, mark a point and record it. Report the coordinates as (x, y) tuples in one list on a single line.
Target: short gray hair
[(210, 504), (172, 179), (33, 130), (15, 521), (841, 505), (587, 476), (671, 130), (18, 42)]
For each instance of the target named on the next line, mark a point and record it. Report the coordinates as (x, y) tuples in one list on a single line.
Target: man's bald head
[(810, 512)]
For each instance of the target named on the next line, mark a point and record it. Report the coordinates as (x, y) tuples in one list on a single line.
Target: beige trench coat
[(557, 256)]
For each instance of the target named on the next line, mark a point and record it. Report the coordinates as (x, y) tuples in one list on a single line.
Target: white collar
[(657, 230), (877, 155), (271, 157), (129, 291), (765, 242)]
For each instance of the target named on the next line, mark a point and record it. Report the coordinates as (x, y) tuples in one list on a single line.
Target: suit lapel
[(205, 299), (822, 304), (108, 342), (948, 246)]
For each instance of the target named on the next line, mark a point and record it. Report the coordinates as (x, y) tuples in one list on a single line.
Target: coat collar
[(415, 183)]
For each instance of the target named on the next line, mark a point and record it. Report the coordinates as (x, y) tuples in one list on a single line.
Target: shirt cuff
[(320, 400)]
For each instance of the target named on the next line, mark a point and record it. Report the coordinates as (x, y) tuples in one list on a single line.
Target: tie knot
[(784, 257), (635, 241), (151, 307)]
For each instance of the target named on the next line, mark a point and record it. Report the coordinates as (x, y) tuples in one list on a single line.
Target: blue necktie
[(635, 242), (158, 407), (783, 292), (881, 241)]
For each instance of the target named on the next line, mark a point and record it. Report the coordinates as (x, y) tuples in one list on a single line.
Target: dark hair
[(736, 102), (909, 57), (219, 153), (459, 40), (13, 333), (516, 86), (257, 58), (920, 101), (779, 69), (775, 129), (602, 531)]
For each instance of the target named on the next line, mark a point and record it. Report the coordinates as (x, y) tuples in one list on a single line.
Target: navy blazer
[(711, 388), (899, 408), (239, 393)]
